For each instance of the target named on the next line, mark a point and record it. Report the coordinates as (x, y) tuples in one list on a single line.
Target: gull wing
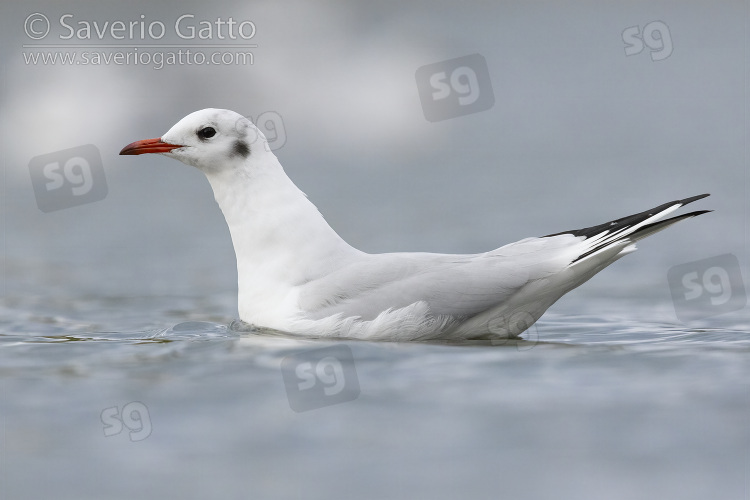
[(463, 286), (459, 286)]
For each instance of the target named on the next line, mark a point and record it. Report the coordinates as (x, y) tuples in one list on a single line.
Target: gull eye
[(206, 133)]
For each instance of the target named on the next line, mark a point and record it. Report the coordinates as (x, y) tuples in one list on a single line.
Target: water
[(597, 404)]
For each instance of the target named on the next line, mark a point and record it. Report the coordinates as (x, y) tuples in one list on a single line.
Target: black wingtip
[(634, 219), (694, 198), (697, 213)]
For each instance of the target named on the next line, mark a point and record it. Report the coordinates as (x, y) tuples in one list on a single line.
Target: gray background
[(579, 134)]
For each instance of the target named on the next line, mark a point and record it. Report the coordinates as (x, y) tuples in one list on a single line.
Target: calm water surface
[(595, 404)]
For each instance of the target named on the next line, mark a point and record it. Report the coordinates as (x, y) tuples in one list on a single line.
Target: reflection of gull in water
[(297, 275)]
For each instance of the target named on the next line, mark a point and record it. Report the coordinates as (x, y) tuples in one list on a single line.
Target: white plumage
[(297, 275)]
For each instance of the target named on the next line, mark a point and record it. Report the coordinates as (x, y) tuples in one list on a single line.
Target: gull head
[(212, 140)]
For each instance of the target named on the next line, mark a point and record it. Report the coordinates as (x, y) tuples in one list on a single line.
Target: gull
[(297, 275)]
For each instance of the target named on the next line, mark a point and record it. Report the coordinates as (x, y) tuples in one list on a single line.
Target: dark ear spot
[(240, 148)]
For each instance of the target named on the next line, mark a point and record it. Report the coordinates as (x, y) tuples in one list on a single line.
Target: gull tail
[(597, 247), (622, 233)]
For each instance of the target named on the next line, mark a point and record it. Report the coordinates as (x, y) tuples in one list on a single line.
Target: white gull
[(296, 274)]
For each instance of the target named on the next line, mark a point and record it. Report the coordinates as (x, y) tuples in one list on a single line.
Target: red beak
[(148, 146)]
